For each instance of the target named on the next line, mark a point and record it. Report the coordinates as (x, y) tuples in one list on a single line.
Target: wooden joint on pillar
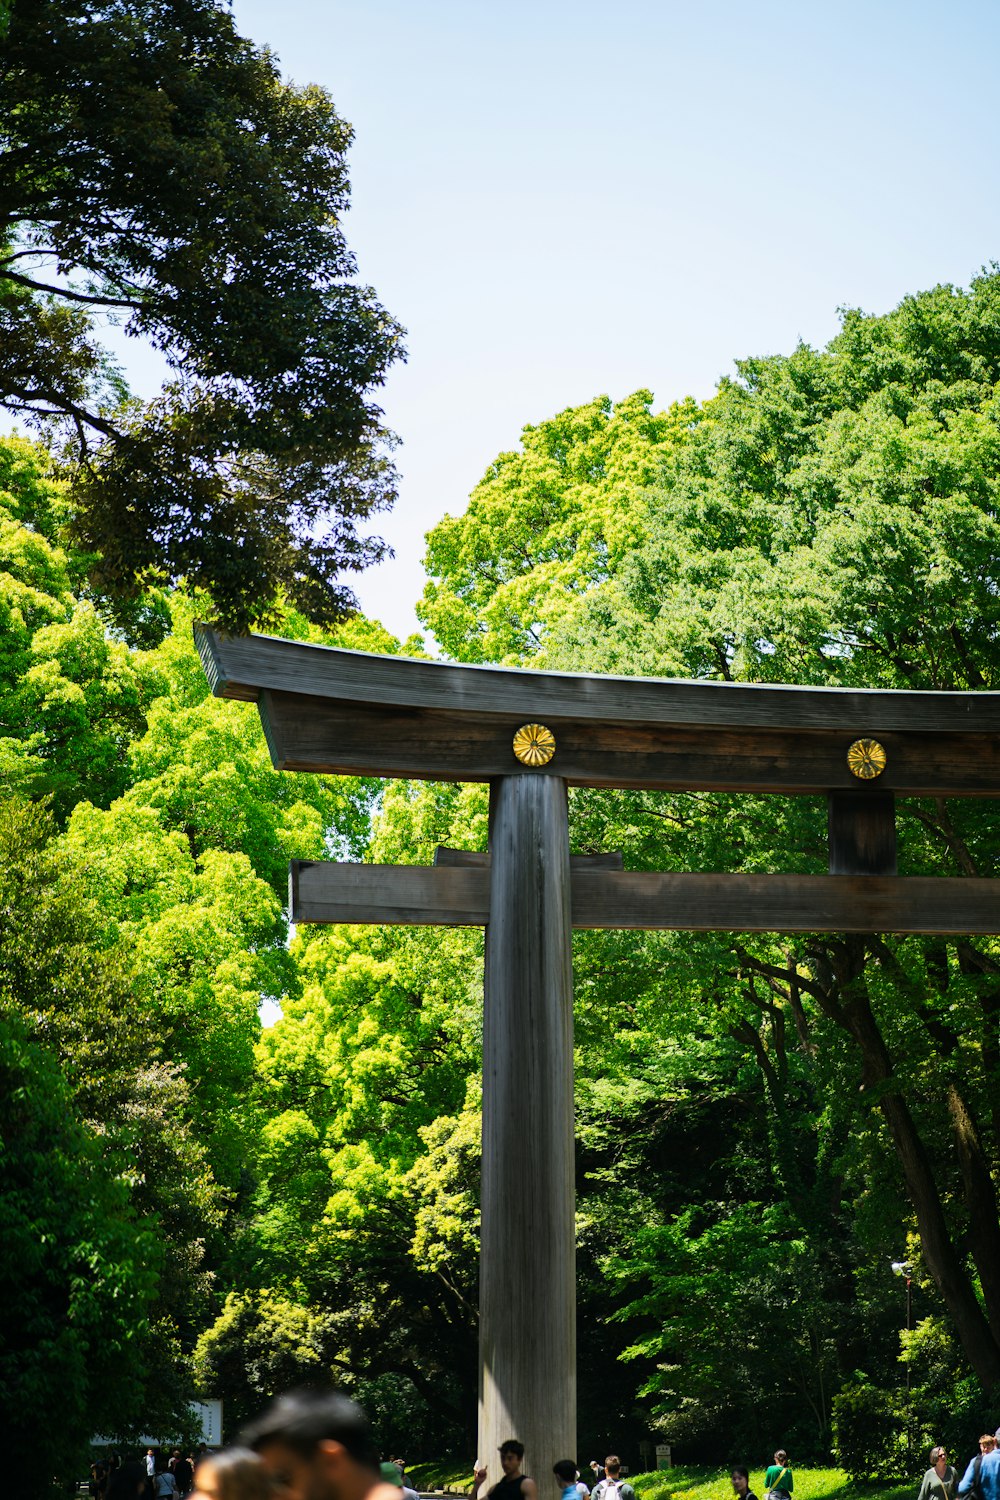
[(862, 833), (468, 859)]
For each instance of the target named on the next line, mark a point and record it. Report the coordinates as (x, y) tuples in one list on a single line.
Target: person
[(598, 1470), (778, 1479), (392, 1472), (939, 1481), (513, 1483), (740, 1481), (982, 1478), (128, 1481), (164, 1483), (583, 1490), (232, 1474), (612, 1486), (567, 1474), (316, 1445), (184, 1474)]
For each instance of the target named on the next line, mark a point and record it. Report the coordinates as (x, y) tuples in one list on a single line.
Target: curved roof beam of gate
[(244, 667)]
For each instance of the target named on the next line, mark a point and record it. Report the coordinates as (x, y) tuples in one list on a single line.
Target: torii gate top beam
[(352, 713)]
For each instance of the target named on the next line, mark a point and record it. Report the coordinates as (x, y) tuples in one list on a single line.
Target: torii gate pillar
[(527, 1293)]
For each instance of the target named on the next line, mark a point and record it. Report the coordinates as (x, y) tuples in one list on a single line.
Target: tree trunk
[(980, 1195), (940, 1254)]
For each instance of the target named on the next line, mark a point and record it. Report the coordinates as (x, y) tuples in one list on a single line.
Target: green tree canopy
[(545, 525), (829, 517), (70, 698), (158, 170)]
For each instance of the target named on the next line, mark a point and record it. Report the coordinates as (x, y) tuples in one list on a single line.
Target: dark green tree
[(78, 1279), (105, 1196), (157, 169)]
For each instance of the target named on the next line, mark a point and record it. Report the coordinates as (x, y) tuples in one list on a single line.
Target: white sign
[(664, 1459), (209, 1414)]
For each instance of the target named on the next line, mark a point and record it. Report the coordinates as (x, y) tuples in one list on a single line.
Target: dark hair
[(127, 1481), (565, 1469), (240, 1473), (781, 1457), (612, 1461), (305, 1418), (743, 1473), (512, 1446)]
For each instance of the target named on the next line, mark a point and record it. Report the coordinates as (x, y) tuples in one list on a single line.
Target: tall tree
[(157, 170)]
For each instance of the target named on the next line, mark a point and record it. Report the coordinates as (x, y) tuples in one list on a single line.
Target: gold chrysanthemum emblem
[(866, 759), (534, 745)]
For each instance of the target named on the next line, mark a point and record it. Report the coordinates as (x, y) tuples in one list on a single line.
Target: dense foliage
[(829, 517), (159, 172), (764, 1123)]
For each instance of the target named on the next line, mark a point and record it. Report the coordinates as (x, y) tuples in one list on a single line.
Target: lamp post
[(904, 1268)]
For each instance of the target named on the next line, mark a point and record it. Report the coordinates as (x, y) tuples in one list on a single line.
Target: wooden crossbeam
[(335, 738), (349, 713), (245, 666), (459, 895)]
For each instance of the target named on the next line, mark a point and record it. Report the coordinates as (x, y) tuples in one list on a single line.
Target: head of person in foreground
[(232, 1474), (316, 1445)]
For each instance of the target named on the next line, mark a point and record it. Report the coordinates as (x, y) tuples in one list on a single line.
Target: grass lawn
[(810, 1484), (448, 1474), (683, 1484)]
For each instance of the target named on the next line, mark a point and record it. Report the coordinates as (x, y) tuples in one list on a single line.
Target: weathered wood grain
[(243, 667), (410, 895), (460, 896), (786, 903), (527, 1285), (862, 830), (313, 734), (471, 860)]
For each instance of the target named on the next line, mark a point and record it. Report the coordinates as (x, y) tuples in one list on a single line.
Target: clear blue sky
[(562, 199)]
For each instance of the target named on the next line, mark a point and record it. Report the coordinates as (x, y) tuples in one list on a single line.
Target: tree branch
[(64, 291)]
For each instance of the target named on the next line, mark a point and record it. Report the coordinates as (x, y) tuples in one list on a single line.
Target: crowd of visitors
[(157, 1476), (317, 1445), (981, 1480)]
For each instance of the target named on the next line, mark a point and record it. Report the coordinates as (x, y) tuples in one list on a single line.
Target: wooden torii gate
[(530, 735)]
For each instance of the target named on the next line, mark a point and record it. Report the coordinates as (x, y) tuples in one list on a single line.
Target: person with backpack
[(612, 1486), (981, 1479), (778, 1479)]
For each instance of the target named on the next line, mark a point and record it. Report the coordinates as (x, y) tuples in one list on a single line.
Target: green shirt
[(778, 1478)]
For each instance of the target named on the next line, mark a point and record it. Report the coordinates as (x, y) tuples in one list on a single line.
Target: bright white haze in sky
[(560, 200)]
